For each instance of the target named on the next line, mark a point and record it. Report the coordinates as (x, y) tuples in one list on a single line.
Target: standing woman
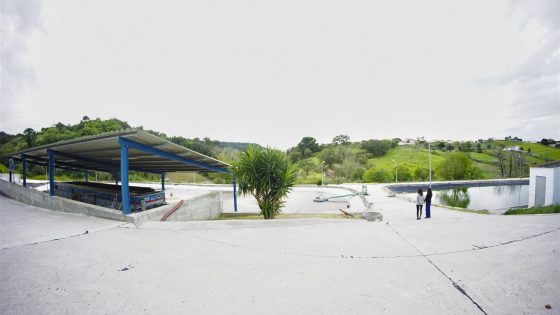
[(428, 202), (419, 203)]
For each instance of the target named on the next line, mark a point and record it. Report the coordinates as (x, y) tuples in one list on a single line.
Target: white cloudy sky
[(272, 72)]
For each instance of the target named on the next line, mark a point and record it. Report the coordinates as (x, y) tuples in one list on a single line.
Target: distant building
[(544, 184), (514, 148)]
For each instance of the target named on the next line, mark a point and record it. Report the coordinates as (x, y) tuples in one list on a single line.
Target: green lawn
[(483, 157), (255, 216), (539, 150), (409, 157), (535, 210)]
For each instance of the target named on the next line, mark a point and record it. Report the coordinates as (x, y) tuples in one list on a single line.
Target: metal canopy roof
[(147, 153)]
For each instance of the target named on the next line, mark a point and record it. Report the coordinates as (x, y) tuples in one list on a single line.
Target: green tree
[(305, 148), (376, 147), (456, 166), (268, 175), (478, 148), (341, 139), (421, 174), (403, 174), (373, 175), (29, 135)]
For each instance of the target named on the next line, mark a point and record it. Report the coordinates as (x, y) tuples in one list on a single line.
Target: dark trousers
[(428, 209), (418, 211)]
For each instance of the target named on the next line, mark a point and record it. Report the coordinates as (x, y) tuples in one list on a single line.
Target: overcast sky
[(272, 72)]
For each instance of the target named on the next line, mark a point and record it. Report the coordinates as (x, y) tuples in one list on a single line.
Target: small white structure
[(544, 184)]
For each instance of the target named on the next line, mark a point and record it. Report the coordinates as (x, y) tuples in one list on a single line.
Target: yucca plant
[(268, 175)]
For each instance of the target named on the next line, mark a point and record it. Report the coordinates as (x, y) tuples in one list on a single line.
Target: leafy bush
[(403, 173), (458, 166), (421, 174), (373, 175), (376, 147), (535, 210), (268, 175)]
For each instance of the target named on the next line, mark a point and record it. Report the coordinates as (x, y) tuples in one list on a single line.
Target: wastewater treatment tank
[(109, 196)]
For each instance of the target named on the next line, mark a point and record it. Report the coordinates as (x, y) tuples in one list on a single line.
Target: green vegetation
[(458, 166), (340, 161), (534, 210), (268, 175), (254, 216), (375, 160), (225, 151)]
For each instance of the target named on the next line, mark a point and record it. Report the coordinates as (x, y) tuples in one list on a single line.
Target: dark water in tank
[(496, 199)]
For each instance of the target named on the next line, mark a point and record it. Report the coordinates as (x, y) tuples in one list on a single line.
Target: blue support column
[(11, 170), (51, 172), (124, 180), (24, 170), (235, 193), (163, 185)]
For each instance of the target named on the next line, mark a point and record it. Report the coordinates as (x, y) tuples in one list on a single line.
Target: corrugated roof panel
[(102, 152)]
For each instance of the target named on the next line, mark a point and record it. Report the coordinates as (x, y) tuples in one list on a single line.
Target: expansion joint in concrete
[(455, 284)]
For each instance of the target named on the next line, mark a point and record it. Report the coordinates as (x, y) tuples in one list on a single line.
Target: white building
[(544, 184)]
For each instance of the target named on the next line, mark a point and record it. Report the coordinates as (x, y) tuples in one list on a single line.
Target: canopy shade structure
[(147, 153), (117, 153)]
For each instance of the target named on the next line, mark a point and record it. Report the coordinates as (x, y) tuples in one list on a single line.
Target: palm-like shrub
[(268, 175)]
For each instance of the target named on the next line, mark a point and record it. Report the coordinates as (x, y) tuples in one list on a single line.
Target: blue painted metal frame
[(99, 163), (163, 185), (11, 169), (124, 180), (24, 170), (126, 143), (45, 162), (234, 193), (142, 147), (51, 172)]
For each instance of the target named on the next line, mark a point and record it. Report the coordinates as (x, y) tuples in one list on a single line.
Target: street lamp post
[(396, 170), (322, 174), (430, 158)]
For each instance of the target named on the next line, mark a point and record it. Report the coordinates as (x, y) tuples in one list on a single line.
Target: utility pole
[(430, 158), (322, 174), (396, 171)]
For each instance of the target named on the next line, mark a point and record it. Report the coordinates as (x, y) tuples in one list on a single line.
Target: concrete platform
[(453, 263)]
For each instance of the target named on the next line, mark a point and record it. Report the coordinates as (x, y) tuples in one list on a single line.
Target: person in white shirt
[(419, 203)]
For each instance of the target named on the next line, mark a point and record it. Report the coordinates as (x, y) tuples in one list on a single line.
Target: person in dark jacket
[(428, 202), (419, 203)]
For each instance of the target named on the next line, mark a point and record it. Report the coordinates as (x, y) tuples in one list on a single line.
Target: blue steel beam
[(124, 180), (141, 147), (51, 172), (61, 165), (163, 185), (11, 169), (97, 162), (235, 193), (24, 170)]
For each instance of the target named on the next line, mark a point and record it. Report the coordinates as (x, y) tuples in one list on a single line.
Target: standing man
[(428, 202)]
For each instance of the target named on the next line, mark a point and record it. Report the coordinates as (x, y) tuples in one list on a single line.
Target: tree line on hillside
[(226, 151), (341, 160)]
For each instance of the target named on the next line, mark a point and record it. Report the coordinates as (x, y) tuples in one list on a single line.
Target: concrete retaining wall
[(36, 198), (204, 207)]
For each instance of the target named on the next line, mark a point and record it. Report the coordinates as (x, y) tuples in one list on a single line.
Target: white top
[(419, 199)]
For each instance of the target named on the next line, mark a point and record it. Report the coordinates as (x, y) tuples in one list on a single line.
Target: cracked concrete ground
[(453, 263)]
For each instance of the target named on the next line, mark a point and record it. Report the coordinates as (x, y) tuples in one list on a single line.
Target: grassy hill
[(413, 162)]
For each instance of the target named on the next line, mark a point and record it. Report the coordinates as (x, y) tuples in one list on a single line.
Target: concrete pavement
[(453, 263)]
